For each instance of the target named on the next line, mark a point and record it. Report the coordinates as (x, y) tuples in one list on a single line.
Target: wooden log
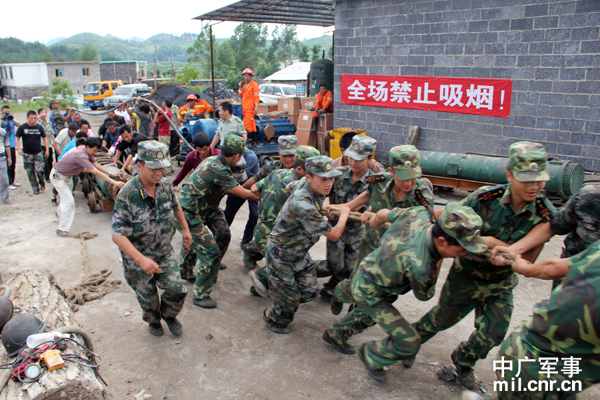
[(413, 135), (36, 292)]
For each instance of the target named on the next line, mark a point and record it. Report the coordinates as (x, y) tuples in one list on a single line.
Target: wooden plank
[(413, 135)]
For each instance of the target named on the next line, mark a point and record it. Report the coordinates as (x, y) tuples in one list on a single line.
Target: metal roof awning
[(306, 12)]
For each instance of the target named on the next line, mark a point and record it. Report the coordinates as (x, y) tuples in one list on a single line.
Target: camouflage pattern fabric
[(566, 325), (405, 261), (341, 255), (527, 161), (580, 219), (475, 284), (210, 240), (266, 169), (59, 124), (382, 196), (287, 145), (47, 125), (405, 160), (292, 276), (148, 224), (34, 165), (200, 200)]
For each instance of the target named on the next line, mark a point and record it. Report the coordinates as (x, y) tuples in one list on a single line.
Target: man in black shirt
[(111, 117), (129, 142), (31, 134)]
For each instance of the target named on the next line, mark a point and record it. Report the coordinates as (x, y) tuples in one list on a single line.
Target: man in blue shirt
[(9, 124)]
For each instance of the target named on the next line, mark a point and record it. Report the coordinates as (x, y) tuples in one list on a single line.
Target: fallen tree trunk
[(35, 292)]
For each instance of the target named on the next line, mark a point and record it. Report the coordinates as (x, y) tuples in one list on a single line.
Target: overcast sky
[(46, 20)]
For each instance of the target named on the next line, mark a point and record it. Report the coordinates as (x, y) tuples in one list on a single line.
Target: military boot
[(466, 375), (156, 329), (408, 363), (377, 373), (342, 347)]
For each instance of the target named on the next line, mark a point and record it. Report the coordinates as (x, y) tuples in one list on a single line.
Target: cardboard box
[(265, 108), (305, 120), (294, 119), (306, 137), (218, 102), (308, 102), (289, 104), (277, 114), (325, 123)]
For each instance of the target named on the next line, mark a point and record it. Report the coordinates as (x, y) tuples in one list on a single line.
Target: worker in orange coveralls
[(324, 104), (249, 94)]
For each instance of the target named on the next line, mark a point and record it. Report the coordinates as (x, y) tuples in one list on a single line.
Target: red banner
[(455, 95)]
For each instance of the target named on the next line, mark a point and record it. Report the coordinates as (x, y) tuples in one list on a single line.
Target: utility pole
[(212, 69), (172, 70)]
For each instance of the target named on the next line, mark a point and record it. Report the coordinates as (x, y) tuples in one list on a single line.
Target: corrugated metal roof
[(306, 12), (295, 72)]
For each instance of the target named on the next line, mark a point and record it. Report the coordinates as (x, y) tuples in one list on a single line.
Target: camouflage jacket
[(47, 125), (405, 261), (345, 190), (299, 224), (147, 222), (567, 323), (274, 195), (382, 196), (492, 204), (59, 124), (205, 188), (266, 170), (580, 219)]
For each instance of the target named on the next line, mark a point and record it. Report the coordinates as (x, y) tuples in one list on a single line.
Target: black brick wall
[(550, 49)]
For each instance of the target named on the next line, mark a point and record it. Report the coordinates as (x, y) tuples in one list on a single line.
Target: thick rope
[(94, 286)]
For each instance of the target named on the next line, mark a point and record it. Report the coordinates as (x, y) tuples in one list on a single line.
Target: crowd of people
[(384, 237)]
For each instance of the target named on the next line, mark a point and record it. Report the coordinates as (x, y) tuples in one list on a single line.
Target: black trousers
[(232, 206)]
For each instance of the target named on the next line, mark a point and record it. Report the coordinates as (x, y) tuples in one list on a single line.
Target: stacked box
[(263, 108), (292, 106), (308, 102)]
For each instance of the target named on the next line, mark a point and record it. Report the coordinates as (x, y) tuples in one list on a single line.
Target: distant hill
[(112, 48)]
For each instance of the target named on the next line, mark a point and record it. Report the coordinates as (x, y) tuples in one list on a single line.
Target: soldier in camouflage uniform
[(274, 192), (200, 200), (292, 276), (142, 227), (509, 212), (408, 259), (287, 150), (562, 336), (579, 219), (341, 255), (400, 188)]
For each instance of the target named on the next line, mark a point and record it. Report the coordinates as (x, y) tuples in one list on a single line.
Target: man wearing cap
[(228, 123), (193, 108), (341, 254), (509, 212), (274, 193), (142, 227), (292, 276), (72, 163), (400, 188), (249, 92), (200, 200), (408, 259), (287, 150), (59, 120)]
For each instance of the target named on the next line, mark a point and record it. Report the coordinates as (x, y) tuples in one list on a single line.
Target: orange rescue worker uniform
[(249, 93), (324, 103), (199, 107)]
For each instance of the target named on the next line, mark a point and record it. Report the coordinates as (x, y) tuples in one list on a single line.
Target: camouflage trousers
[(515, 348), (292, 281), (34, 165), (461, 294), (145, 288), (209, 243), (403, 341), (341, 256), (256, 247)]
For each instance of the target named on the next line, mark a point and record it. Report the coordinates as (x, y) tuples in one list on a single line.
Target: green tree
[(188, 74), (315, 51), (225, 58), (88, 53), (285, 44), (199, 51), (248, 43), (303, 52), (62, 91), (47, 56)]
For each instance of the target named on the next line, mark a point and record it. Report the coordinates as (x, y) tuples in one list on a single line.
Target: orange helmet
[(192, 97), (248, 71)]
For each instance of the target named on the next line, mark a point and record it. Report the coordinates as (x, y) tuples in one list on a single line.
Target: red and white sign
[(455, 95)]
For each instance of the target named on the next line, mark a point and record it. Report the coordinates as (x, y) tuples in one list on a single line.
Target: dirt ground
[(227, 353)]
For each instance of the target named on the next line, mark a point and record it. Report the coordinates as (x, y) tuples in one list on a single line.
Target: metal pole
[(212, 70)]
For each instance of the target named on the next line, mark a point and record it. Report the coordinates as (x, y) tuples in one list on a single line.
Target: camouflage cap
[(321, 166), (234, 144), (406, 162), (463, 224), (153, 154), (304, 152), (527, 161), (287, 145), (52, 101), (361, 147)]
